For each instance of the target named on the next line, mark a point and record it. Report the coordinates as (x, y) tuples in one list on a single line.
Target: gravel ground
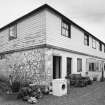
[(91, 95)]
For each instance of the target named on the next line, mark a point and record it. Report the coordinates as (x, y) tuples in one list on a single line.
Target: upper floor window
[(93, 43), (104, 48), (12, 32), (100, 46), (65, 29), (86, 39), (79, 65)]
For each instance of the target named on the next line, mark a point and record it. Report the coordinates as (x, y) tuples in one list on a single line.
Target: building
[(44, 45)]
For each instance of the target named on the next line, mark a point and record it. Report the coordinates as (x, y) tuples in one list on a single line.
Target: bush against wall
[(25, 66)]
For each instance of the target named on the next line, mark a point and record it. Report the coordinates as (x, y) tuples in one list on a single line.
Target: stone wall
[(25, 66), (49, 65)]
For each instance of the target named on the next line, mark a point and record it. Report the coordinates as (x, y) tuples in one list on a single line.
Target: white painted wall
[(75, 43), (64, 55)]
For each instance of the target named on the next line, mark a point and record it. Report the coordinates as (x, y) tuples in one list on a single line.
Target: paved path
[(95, 96), (90, 95)]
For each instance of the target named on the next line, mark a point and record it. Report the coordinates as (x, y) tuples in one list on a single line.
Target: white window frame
[(13, 32), (65, 29), (93, 43), (86, 39)]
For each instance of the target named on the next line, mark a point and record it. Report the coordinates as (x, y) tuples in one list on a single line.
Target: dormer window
[(65, 29), (12, 32)]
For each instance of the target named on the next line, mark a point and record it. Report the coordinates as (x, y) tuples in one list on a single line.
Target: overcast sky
[(90, 14)]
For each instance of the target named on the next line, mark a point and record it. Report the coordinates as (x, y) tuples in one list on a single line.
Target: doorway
[(68, 66), (68, 73), (56, 67)]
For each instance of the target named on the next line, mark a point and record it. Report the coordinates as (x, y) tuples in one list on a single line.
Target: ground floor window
[(94, 66), (79, 65), (68, 66), (91, 66)]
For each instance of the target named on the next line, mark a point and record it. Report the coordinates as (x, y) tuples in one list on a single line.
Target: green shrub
[(4, 79), (94, 78), (24, 91), (4, 84), (45, 89), (15, 86), (27, 91)]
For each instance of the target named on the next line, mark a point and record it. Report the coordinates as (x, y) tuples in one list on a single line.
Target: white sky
[(90, 14)]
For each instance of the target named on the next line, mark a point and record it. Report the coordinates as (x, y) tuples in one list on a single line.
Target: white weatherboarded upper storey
[(75, 43), (43, 27), (30, 32)]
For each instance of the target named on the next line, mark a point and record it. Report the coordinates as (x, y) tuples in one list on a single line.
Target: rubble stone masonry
[(25, 66)]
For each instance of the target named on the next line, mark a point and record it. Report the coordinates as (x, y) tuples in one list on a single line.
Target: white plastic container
[(59, 87)]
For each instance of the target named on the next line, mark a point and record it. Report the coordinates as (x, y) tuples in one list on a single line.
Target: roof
[(52, 9)]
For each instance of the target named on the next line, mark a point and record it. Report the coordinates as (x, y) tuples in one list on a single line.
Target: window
[(79, 65), (93, 43), (94, 66), (100, 46), (91, 66), (97, 66), (104, 48), (69, 66), (86, 39), (12, 32), (65, 29)]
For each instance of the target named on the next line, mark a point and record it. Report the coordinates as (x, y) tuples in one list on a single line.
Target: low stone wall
[(25, 66)]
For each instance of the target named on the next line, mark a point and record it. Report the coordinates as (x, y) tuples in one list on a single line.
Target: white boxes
[(59, 87)]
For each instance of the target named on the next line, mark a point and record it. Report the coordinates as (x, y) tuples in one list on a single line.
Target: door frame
[(67, 65), (60, 66)]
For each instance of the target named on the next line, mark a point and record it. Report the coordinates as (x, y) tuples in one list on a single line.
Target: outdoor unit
[(59, 87)]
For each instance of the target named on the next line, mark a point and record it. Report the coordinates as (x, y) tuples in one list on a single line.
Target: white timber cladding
[(44, 27), (75, 43), (30, 32)]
